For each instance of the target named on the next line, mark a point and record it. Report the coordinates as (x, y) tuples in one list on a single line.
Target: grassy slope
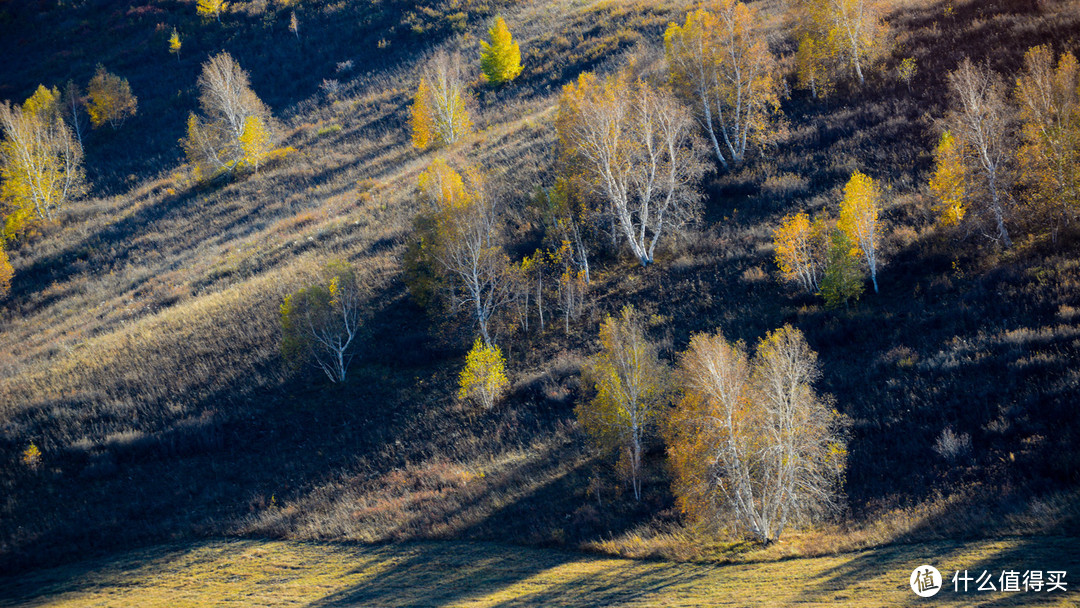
[(276, 573), (139, 347)]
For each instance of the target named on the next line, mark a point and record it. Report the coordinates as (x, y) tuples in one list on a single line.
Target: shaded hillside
[(139, 348)]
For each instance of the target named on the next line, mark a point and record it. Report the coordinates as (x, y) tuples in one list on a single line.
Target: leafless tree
[(980, 118)]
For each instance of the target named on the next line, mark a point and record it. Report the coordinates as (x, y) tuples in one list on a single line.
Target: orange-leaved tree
[(800, 250), (752, 445), (720, 61), (859, 211), (631, 387)]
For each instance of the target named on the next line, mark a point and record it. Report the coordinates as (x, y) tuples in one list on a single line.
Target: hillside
[(140, 344)]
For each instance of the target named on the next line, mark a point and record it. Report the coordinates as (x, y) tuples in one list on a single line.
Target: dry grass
[(483, 574)]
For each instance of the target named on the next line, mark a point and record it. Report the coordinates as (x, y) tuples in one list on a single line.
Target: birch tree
[(636, 151), (40, 162), (439, 115), (468, 244), (721, 62), (751, 443), (857, 34), (800, 250), (321, 323), (859, 212), (979, 118), (631, 387), (215, 142), (1049, 159)]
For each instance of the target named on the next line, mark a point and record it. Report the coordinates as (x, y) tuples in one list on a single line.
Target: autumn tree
[(215, 143), (174, 44), (321, 323), (721, 62), (979, 118), (633, 147), (500, 56), (947, 183), (294, 25), (800, 250), (467, 241), (842, 281), (1049, 159), (110, 99), (751, 443), (439, 115), (484, 377), (812, 67), (906, 71), (255, 141), (206, 8), (631, 387), (73, 105), (6, 272), (40, 162), (859, 212)]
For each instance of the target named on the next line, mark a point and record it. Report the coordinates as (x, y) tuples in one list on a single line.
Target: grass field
[(275, 573)]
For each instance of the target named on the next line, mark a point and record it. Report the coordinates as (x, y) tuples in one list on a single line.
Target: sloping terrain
[(139, 348)]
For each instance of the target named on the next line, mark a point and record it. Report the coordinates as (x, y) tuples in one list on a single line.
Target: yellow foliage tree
[(255, 141), (812, 69), (947, 181), (800, 250), (6, 272), (842, 37), (484, 377), (214, 142), (859, 220), (174, 44), (751, 444), (110, 99), (1049, 158), (40, 162), (206, 8), (500, 56), (439, 115), (721, 62), (632, 387), (420, 117)]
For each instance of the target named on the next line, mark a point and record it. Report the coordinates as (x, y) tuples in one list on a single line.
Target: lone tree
[(174, 44), (859, 212), (751, 443), (321, 322), (40, 162), (633, 146), (215, 141), (439, 115), (500, 56), (721, 63), (631, 385), (484, 377), (110, 99), (947, 181), (979, 118)]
